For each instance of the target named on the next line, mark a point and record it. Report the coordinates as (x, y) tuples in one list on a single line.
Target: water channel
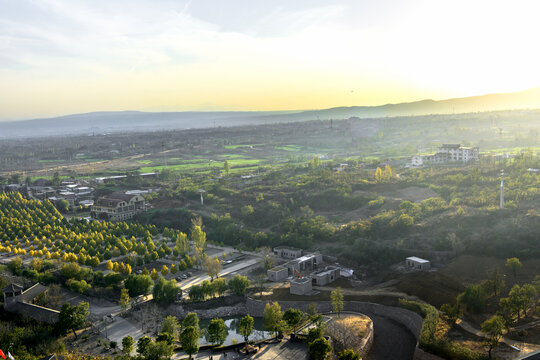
[(232, 322)]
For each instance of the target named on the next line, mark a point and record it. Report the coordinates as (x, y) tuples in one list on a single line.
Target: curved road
[(392, 340)]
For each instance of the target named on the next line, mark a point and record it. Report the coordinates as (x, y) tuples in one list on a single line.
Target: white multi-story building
[(117, 207), (447, 153)]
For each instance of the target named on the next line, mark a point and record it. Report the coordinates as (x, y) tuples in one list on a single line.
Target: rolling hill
[(128, 121)]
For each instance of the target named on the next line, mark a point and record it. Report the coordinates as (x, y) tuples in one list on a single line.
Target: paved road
[(120, 328), (197, 279), (392, 340), (98, 307)]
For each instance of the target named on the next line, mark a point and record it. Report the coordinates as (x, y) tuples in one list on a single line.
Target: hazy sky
[(59, 57)]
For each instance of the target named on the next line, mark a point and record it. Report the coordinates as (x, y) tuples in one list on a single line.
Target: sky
[(61, 57)]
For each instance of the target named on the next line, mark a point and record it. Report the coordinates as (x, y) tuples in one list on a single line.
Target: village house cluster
[(304, 270)]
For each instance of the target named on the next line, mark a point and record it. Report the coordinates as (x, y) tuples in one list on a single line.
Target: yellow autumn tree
[(378, 175)]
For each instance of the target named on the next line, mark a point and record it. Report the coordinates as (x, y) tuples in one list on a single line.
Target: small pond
[(231, 322)]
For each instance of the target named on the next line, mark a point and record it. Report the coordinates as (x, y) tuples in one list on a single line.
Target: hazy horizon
[(68, 57)]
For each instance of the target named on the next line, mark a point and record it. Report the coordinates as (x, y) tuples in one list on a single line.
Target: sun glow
[(157, 56)]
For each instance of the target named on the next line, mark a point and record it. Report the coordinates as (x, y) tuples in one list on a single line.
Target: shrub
[(434, 345)]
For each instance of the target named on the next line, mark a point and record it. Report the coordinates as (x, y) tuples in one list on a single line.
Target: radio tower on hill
[(502, 190)]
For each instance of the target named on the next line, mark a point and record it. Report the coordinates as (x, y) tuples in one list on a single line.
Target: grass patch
[(201, 164), (240, 146), (289, 147)]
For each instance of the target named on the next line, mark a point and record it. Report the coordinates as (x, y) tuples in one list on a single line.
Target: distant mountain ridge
[(126, 121)]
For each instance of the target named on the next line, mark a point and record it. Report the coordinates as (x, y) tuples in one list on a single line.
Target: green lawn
[(289, 147), (240, 146), (511, 150), (202, 164)]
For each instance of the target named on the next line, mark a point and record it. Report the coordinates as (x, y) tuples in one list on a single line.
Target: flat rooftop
[(284, 247), (417, 259), (303, 280), (306, 257), (278, 268), (325, 271)]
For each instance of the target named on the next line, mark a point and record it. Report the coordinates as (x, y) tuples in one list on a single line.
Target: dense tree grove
[(311, 206), (37, 229)]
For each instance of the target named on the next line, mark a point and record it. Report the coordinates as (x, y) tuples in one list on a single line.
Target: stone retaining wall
[(223, 311), (364, 345), (411, 320), (36, 312), (367, 341)]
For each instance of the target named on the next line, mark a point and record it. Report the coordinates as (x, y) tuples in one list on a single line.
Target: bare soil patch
[(433, 287), (347, 331), (470, 269), (411, 193)]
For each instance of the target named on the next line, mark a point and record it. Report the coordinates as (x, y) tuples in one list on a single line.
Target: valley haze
[(128, 121)]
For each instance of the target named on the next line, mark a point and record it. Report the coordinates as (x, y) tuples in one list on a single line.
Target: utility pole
[(502, 190)]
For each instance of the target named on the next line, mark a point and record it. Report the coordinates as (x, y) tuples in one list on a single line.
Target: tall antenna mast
[(201, 191), (502, 190)]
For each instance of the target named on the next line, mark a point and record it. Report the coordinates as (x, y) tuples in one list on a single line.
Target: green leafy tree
[(348, 354), (191, 319), (452, 313), (245, 327), (190, 340), (217, 332), (293, 317), (273, 317), (138, 284), (238, 284), (513, 264), (268, 257), (315, 163), (474, 297), (159, 350), (212, 266), (336, 297), (196, 293), (15, 264), (127, 344), (56, 179), (219, 286), (519, 299), (319, 349), (314, 333), (207, 289), (495, 282), (124, 299), (165, 337), (72, 317), (63, 206), (493, 328), (165, 292), (170, 325), (143, 345)]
